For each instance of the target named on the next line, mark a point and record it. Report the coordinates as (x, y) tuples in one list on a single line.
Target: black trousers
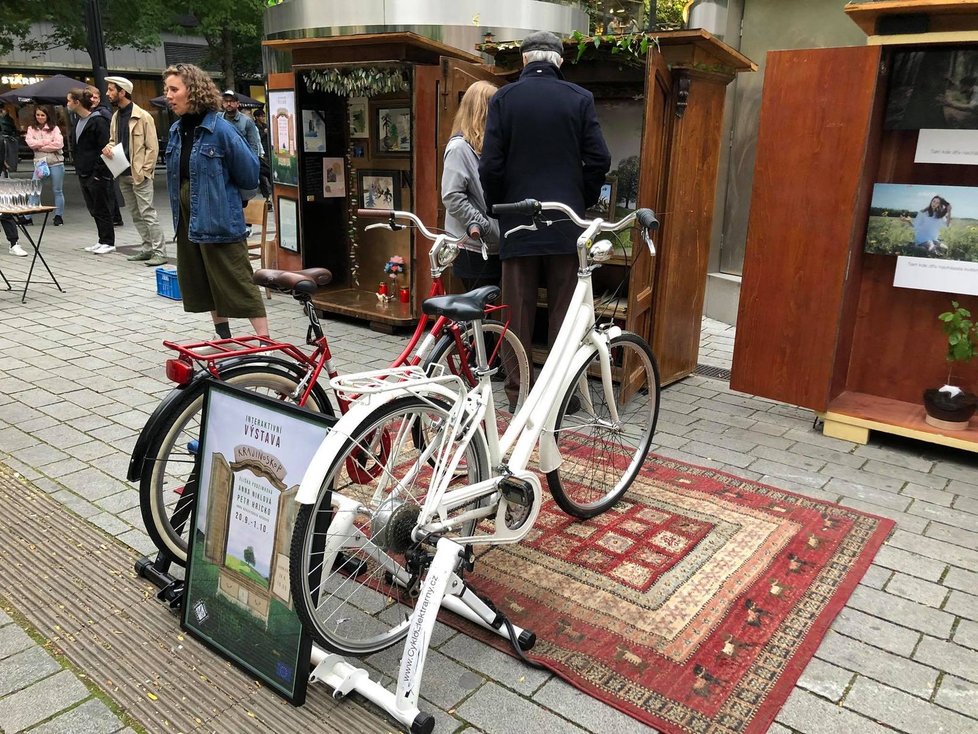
[(9, 229), (99, 198), (522, 276)]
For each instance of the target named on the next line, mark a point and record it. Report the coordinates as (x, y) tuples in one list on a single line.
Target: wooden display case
[(675, 96), (821, 324)]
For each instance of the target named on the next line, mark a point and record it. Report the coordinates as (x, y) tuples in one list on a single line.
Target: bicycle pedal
[(516, 491)]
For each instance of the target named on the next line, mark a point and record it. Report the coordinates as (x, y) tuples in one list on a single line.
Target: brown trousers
[(522, 277)]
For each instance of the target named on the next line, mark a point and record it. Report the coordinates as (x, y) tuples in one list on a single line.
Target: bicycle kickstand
[(441, 587)]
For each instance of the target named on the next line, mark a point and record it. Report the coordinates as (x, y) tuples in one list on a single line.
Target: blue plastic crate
[(167, 284)]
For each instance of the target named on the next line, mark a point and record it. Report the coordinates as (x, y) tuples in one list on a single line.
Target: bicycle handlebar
[(392, 215), (531, 207)]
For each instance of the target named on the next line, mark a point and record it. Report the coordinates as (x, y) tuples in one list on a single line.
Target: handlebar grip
[(527, 206), (379, 213), (646, 218)]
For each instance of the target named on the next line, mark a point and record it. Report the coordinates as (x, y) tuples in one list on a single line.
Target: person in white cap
[(134, 128), (248, 130)]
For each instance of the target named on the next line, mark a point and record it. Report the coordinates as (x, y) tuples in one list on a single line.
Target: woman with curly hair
[(928, 224), (208, 164)]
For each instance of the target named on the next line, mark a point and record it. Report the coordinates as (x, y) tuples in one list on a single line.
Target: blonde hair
[(202, 94), (470, 120)]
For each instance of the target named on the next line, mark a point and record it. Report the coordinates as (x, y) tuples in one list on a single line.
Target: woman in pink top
[(45, 139)]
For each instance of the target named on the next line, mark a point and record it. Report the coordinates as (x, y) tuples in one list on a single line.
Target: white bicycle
[(374, 555)]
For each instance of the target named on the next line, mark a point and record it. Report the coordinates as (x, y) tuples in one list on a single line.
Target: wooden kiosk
[(661, 112), (821, 324)]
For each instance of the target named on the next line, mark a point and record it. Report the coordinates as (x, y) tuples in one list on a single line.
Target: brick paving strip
[(76, 586)]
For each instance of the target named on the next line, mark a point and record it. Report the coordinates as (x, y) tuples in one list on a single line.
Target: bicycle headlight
[(447, 254), (601, 251)]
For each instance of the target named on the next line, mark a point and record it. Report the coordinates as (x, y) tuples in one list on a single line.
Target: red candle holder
[(405, 296), (382, 289)]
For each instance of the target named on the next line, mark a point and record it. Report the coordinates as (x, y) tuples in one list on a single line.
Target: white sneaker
[(18, 251), (103, 249), (92, 248)]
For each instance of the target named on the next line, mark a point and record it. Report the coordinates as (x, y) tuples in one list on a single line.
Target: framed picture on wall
[(313, 131), (605, 208), (392, 131), (282, 127), (288, 224), (357, 107), (334, 178), (379, 189)]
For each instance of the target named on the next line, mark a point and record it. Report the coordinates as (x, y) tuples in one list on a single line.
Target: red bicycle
[(164, 458)]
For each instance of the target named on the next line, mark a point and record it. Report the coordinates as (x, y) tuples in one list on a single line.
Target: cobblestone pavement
[(81, 371)]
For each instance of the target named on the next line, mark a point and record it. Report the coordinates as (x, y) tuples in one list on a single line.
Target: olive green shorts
[(214, 277)]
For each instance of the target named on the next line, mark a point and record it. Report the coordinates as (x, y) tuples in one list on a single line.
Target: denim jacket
[(221, 166)]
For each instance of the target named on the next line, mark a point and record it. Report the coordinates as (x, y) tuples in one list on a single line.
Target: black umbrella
[(52, 90), (243, 100)]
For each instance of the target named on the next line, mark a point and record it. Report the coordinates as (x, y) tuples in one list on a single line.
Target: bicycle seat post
[(315, 326), (479, 336)]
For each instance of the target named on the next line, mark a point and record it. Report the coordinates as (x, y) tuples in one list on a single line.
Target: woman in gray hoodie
[(461, 192)]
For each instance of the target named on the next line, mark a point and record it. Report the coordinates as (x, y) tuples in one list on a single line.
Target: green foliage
[(357, 82), (890, 234), (961, 333)]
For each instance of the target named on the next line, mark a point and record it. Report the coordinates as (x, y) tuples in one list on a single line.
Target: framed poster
[(253, 453), (605, 208), (379, 189), (334, 178), (282, 128), (313, 131), (392, 131), (357, 107), (288, 224)]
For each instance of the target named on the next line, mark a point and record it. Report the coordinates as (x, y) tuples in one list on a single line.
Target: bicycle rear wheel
[(354, 592), (602, 458), (168, 484), (510, 357)]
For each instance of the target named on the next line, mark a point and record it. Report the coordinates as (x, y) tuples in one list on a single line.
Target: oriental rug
[(693, 605)]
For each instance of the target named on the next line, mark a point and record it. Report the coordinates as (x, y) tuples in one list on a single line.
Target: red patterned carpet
[(694, 605)]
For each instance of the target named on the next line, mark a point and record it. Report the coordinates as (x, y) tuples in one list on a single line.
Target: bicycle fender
[(191, 391), (337, 437), (550, 458)]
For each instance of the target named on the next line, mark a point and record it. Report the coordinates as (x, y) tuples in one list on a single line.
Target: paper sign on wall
[(944, 276), (947, 146)]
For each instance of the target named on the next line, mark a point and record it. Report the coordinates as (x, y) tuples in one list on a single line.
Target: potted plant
[(950, 407)]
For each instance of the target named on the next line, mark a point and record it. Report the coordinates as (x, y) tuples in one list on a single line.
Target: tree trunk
[(227, 58)]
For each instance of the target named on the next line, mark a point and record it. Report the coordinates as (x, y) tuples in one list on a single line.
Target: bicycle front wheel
[(168, 484), (355, 588), (602, 457), (509, 357)]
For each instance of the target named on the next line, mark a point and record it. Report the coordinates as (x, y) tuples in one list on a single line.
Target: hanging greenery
[(359, 81)]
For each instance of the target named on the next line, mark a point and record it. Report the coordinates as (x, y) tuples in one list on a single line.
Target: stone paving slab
[(923, 585)]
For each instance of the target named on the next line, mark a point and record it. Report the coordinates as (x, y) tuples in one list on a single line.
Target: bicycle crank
[(518, 494)]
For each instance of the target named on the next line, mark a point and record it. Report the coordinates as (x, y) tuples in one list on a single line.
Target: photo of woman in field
[(916, 221)]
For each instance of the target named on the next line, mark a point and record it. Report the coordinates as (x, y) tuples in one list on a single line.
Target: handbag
[(41, 169)]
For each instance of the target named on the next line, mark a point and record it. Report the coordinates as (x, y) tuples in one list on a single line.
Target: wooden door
[(653, 160), (816, 161)]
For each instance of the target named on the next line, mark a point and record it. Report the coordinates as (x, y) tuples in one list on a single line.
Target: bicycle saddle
[(469, 306), (299, 281)]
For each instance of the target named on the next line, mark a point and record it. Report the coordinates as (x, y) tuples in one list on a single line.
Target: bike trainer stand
[(441, 587), (157, 572)]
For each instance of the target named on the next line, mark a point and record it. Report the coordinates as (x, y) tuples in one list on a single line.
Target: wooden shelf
[(363, 305), (852, 415)]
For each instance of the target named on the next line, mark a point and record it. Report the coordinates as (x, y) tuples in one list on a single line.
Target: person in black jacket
[(542, 142), (89, 135)]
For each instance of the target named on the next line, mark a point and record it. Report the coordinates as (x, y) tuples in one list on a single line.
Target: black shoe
[(118, 223), (58, 221)]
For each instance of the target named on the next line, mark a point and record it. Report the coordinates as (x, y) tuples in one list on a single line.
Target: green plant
[(962, 335)]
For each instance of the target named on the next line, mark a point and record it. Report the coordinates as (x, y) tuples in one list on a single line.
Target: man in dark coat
[(543, 142), (89, 135)]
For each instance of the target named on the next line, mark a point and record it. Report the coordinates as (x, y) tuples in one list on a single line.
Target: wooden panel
[(944, 14), (427, 189), (681, 265), (656, 131), (816, 117)]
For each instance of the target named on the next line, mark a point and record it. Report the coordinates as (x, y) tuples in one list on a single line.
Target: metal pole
[(95, 42)]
